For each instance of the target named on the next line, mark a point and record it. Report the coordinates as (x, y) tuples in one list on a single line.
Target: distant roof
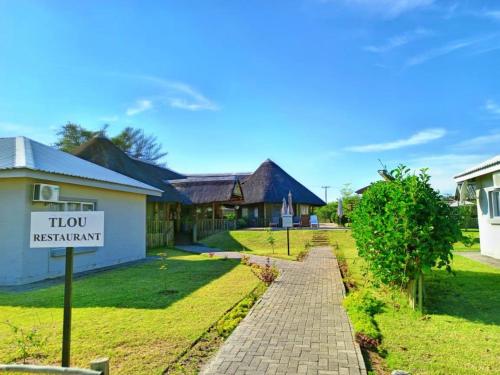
[(208, 189), (24, 153), (270, 184), (102, 151), (488, 166)]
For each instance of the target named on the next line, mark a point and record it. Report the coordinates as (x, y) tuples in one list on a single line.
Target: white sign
[(287, 221), (67, 229)]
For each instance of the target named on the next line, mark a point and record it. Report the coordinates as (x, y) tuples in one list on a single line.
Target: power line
[(326, 192)]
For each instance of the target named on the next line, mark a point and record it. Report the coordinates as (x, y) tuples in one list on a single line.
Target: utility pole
[(326, 192)]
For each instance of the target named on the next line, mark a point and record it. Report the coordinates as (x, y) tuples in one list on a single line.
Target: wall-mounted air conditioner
[(45, 193)]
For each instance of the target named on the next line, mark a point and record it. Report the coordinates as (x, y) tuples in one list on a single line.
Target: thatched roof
[(209, 189), (270, 184), (102, 151)]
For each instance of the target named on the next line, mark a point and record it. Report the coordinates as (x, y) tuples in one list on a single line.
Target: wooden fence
[(207, 227), (98, 367), (159, 233)]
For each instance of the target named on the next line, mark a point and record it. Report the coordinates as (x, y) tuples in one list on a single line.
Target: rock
[(400, 372)]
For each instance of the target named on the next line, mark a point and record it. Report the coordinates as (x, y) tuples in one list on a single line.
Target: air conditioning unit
[(45, 193), (496, 180)]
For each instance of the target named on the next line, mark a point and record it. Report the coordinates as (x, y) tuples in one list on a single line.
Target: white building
[(482, 183), (35, 177)]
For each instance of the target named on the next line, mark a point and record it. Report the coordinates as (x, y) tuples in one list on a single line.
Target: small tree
[(403, 228), (270, 238)]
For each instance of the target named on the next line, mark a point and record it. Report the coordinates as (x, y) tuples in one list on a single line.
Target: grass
[(460, 330), (127, 315), (471, 233), (255, 242)]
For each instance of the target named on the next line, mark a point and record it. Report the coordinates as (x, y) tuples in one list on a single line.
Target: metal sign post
[(67, 229), (68, 291)]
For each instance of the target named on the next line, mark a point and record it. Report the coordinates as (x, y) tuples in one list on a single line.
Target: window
[(71, 206), (495, 203), (256, 212), (244, 212)]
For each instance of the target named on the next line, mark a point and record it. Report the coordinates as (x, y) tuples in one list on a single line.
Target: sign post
[(68, 290), (287, 223), (67, 229)]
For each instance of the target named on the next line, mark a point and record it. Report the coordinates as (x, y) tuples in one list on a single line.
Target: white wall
[(124, 231), (489, 233)]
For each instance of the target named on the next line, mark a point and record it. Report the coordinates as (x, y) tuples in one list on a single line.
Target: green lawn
[(255, 242), (124, 315), (460, 333), (472, 233)]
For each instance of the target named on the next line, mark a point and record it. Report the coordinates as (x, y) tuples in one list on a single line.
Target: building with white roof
[(35, 177), (482, 184)]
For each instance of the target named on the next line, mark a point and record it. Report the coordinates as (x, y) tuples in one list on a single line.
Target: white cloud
[(139, 106), (387, 8), (442, 51), (480, 141), (492, 107), (422, 137), (399, 40), (494, 14), (186, 97), (442, 168), (175, 94)]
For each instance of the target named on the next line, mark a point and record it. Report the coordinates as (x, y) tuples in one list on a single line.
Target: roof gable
[(270, 184), (24, 153)]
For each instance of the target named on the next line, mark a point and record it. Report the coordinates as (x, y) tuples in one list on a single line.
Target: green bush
[(402, 227), (230, 321), (362, 306)]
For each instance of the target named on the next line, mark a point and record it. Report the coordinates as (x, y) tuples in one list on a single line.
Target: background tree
[(403, 228), (72, 135), (349, 202), (133, 141), (139, 145)]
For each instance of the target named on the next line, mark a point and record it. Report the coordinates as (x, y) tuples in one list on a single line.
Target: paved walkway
[(476, 255), (298, 327)]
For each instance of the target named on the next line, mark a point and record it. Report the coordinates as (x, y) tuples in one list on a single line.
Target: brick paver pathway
[(298, 327)]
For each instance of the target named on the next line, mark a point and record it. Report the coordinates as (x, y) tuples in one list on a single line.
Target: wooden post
[(68, 286), (421, 291), (288, 239), (265, 216), (195, 230), (100, 364), (213, 217)]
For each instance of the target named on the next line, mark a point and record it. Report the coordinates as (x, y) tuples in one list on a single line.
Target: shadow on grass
[(470, 295), (143, 286), (224, 241)]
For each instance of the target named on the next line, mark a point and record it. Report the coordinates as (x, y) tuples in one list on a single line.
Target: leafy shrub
[(29, 343), (245, 260), (266, 273), (403, 227), (302, 255), (230, 321), (242, 222), (362, 306)]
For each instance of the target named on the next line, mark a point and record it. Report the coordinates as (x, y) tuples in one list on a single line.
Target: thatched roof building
[(270, 184)]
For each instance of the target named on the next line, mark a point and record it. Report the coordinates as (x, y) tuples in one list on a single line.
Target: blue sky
[(323, 87)]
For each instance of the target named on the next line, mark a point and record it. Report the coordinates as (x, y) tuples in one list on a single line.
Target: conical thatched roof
[(270, 184), (102, 151)]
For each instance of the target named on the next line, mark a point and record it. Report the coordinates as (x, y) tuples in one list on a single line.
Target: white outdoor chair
[(314, 221)]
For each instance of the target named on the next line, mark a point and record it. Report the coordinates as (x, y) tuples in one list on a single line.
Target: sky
[(330, 90)]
